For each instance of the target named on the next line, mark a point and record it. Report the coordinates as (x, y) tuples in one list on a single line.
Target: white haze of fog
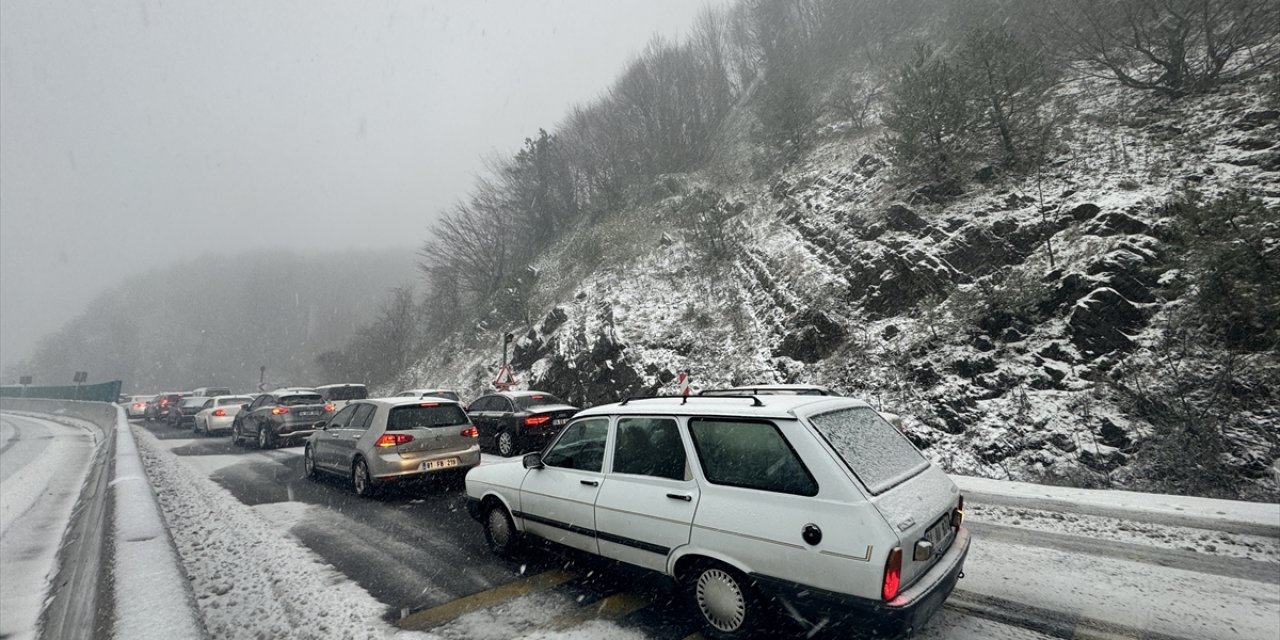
[(136, 134)]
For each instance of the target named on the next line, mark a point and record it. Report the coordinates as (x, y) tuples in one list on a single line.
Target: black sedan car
[(183, 413), (514, 422), (280, 416)]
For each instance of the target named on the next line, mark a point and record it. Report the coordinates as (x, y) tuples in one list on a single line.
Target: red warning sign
[(505, 379)]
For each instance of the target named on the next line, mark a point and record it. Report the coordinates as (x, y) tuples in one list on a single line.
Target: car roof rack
[(755, 401)]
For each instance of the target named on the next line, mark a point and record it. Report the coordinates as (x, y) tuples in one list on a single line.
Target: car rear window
[(539, 400), (750, 454), (234, 400), (441, 394), (417, 417), (194, 402), (354, 392), (879, 455), (301, 398)]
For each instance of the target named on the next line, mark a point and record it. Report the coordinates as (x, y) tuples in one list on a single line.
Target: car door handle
[(680, 496), (590, 483)]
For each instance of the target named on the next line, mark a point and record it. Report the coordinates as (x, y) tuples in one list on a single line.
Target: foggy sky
[(136, 134)]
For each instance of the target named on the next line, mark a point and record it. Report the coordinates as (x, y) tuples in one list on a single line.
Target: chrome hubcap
[(262, 438), (308, 462), (721, 600), (499, 531), (505, 445)]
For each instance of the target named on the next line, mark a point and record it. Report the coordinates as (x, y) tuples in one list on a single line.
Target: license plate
[(438, 464), (308, 413), (559, 422), (939, 534)]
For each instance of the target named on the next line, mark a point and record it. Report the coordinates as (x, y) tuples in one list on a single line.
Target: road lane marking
[(611, 608), (436, 616)]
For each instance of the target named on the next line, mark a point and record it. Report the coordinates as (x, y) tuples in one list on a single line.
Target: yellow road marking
[(436, 616), (611, 608)]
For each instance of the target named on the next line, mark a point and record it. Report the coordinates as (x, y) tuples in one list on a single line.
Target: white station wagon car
[(811, 500)]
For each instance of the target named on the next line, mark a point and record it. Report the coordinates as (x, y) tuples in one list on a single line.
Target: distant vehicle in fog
[(430, 393), (516, 421), (338, 395), (374, 442), (219, 413), (281, 416), (183, 412), (158, 407), (136, 406), (210, 392)]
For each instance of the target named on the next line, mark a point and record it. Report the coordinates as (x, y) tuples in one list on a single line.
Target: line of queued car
[(755, 500)]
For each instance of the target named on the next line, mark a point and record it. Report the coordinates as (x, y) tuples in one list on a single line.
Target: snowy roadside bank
[(1232, 516), (249, 580)]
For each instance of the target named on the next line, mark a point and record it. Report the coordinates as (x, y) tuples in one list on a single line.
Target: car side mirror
[(533, 461)]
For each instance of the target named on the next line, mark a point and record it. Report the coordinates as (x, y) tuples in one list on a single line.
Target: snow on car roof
[(770, 406), (402, 401)]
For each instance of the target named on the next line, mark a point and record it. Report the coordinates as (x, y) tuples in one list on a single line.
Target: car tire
[(309, 463), (505, 443), (723, 600), (266, 439), (500, 530), (361, 481), (236, 438)]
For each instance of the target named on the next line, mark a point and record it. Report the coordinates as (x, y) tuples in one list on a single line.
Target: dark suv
[(283, 415), (159, 406), (516, 421)]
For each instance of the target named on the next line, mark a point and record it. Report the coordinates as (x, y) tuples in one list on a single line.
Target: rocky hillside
[(1027, 326)]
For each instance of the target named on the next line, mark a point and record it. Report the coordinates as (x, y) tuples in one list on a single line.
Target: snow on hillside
[(840, 275)]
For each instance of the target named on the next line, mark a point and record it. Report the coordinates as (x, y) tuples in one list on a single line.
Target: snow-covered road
[(43, 465), (1032, 573)]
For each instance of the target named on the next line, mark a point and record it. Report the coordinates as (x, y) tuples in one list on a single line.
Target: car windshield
[(425, 417), (301, 398), (524, 403)]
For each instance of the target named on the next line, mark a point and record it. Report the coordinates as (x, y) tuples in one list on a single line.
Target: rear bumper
[(219, 423), (901, 617)]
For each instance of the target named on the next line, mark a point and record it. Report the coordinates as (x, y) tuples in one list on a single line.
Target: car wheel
[(724, 600), (500, 530), (236, 438), (506, 444), (266, 439), (309, 462), (361, 483)]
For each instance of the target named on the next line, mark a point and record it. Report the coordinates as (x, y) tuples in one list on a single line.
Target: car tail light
[(957, 516), (470, 432), (328, 408), (892, 574), (220, 412), (276, 411), (139, 405), (533, 421), (429, 404), (164, 403), (393, 439)]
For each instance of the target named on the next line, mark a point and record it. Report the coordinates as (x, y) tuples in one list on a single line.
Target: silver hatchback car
[(377, 441)]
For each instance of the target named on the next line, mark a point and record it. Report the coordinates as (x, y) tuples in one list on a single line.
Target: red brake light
[(533, 421), (429, 404), (275, 411), (219, 412), (470, 432), (328, 408), (892, 574), (393, 439), (139, 405), (536, 397)]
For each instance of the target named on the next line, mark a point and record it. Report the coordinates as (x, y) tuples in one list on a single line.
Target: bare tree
[(1011, 84), (1173, 47)]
